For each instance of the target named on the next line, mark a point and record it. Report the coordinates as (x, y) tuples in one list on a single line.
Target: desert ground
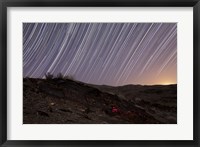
[(67, 101)]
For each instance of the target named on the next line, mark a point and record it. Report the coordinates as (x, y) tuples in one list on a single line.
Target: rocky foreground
[(65, 101)]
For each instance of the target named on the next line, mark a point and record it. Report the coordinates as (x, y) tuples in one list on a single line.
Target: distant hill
[(65, 101)]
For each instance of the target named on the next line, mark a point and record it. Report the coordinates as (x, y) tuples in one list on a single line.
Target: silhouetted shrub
[(60, 76), (48, 76)]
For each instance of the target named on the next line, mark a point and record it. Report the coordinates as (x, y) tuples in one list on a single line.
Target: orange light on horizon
[(167, 83)]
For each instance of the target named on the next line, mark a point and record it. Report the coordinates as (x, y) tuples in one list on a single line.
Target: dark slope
[(160, 101), (55, 101)]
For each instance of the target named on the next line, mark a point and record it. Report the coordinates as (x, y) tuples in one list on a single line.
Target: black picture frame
[(4, 4)]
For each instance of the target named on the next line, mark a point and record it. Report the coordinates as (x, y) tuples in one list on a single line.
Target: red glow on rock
[(114, 109)]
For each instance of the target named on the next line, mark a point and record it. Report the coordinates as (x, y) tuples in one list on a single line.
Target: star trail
[(102, 53)]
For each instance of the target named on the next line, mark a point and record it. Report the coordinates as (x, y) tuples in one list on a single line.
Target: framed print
[(86, 73)]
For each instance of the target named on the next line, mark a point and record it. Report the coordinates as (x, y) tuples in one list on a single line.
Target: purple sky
[(102, 53)]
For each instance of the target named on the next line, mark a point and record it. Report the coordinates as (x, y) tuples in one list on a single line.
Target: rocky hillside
[(65, 101)]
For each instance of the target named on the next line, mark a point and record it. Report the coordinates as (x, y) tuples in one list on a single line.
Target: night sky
[(102, 53)]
